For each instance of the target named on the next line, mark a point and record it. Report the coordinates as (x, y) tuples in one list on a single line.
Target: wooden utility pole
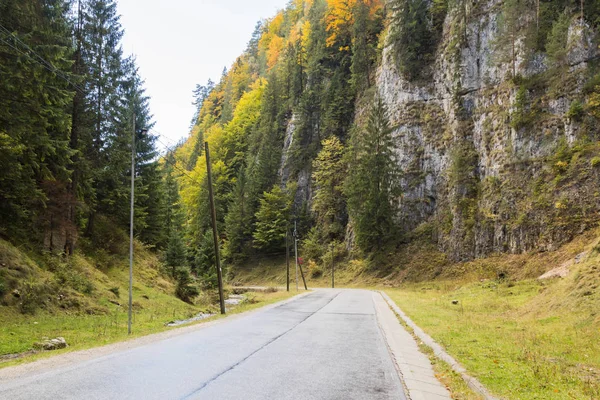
[(302, 274), (298, 265), (213, 214), (287, 257), (332, 267), (296, 251)]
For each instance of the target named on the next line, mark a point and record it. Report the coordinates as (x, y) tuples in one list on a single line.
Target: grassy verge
[(515, 337), (18, 332)]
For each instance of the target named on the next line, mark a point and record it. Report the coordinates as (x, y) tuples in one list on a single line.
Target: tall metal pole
[(287, 258), (131, 228), (296, 252), (213, 213)]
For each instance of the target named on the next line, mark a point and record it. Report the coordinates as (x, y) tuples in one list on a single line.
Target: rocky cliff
[(491, 162)]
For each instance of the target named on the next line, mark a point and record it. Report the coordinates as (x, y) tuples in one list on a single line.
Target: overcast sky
[(179, 43)]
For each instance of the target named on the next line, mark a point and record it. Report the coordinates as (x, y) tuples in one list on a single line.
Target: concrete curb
[(439, 352), (414, 368)]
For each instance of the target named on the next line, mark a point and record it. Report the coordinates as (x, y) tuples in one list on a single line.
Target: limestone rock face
[(490, 163), (477, 149)]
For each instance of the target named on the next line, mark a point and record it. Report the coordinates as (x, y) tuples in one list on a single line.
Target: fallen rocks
[(563, 270), (235, 299), (51, 344), (198, 317)]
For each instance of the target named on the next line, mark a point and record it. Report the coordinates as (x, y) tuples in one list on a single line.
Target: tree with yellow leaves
[(340, 19)]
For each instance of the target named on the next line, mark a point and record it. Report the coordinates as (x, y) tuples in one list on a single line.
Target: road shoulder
[(414, 367)]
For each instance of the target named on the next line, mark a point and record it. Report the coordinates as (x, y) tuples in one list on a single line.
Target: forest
[(299, 128)]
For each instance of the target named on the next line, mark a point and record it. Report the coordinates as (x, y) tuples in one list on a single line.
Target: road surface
[(326, 345)]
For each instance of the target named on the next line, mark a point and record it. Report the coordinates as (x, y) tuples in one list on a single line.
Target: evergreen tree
[(238, 220), (175, 255), (272, 219), (512, 26), (329, 205), (362, 52), (201, 93), (102, 60), (557, 40), (35, 96), (411, 36), (372, 186)]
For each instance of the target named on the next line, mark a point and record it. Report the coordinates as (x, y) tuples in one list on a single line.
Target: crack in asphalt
[(328, 313), (217, 376)]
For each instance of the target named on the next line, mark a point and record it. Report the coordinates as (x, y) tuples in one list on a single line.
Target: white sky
[(179, 43)]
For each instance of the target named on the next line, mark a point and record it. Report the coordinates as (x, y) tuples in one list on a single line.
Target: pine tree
[(512, 26), (556, 45), (101, 54), (329, 205), (362, 51), (34, 120), (411, 36), (238, 220), (201, 93), (372, 186), (272, 220), (175, 254)]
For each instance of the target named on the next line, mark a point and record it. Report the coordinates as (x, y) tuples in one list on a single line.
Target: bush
[(357, 266), (115, 291), (312, 246), (339, 252), (35, 295), (3, 287), (576, 111), (314, 269), (65, 274), (186, 289), (595, 163)]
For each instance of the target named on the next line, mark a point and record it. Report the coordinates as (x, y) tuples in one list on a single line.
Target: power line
[(174, 165), (40, 60)]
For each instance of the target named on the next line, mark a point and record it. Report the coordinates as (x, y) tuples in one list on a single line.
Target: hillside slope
[(83, 298), (370, 123)]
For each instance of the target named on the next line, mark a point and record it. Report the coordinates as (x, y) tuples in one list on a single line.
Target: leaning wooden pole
[(298, 265), (213, 214)]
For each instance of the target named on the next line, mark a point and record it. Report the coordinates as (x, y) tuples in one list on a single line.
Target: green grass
[(18, 332), (511, 337)]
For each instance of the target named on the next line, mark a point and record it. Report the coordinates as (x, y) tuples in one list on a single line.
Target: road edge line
[(439, 351)]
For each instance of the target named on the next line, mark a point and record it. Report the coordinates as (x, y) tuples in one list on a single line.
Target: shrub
[(3, 287), (357, 266), (339, 252), (35, 295), (115, 291), (186, 289), (576, 111), (595, 162), (312, 246), (314, 269), (65, 274)]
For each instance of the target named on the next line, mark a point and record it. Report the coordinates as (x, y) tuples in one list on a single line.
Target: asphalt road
[(326, 345)]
